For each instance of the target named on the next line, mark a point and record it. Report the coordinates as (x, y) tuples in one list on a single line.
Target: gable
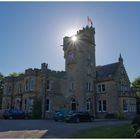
[(106, 72)]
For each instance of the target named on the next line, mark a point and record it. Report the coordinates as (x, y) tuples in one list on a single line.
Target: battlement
[(86, 30), (31, 71), (84, 35), (59, 74)]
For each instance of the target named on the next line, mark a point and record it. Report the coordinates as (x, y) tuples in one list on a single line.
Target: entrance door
[(73, 105)]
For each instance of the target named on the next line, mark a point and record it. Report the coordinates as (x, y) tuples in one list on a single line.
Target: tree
[(136, 85), (1, 89), (15, 74)]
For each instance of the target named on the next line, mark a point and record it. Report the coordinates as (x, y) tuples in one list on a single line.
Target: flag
[(89, 21)]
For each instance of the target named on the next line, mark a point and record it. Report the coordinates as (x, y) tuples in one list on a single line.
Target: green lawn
[(123, 131)]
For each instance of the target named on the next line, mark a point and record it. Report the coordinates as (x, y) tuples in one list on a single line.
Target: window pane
[(104, 105), (88, 105), (99, 106), (125, 105), (47, 105), (103, 87)]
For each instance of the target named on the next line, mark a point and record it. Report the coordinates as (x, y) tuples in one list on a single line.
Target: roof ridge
[(107, 64)]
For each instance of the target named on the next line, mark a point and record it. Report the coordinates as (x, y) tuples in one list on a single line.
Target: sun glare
[(71, 32), (74, 38)]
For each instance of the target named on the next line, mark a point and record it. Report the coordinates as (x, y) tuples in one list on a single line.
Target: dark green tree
[(37, 108), (15, 74), (1, 89), (136, 86)]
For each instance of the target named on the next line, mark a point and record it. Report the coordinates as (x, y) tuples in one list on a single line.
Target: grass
[(123, 131)]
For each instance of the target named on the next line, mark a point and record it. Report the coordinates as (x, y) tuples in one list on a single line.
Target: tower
[(79, 54)]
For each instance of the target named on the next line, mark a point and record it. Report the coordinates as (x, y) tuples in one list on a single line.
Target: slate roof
[(106, 72)]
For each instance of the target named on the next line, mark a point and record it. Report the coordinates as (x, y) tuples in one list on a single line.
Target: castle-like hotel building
[(83, 86)]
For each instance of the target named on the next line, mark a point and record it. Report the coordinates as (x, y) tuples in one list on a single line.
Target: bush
[(136, 123), (137, 134), (120, 115)]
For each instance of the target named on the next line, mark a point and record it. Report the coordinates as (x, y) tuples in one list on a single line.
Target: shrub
[(120, 115), (136, 123), (137, 134)]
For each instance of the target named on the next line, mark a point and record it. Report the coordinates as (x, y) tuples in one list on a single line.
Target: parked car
[(60, 115), (79, 117), (15, 114)]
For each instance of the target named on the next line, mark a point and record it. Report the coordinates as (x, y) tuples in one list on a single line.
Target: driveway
[(55, 129)]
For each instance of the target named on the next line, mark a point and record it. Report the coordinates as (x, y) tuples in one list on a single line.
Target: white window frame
[(88, 105), (89, 86), (99, 88), (47, 104), (49, 85), (32, 84), (125, 110), (101, 105)]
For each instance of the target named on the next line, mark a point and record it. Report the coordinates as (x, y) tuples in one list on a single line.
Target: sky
[(31, 33)]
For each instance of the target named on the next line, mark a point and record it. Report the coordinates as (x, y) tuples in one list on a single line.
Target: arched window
[(73, 105)]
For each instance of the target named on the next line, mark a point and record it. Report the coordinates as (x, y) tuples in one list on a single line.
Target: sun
[(74, 38)]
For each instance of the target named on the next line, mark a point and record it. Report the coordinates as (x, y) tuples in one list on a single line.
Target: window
[(47, 105), (27, 85), (49, 85), (30, 105), (25, 104), (101, 88), (99, 106), (88, 105), (125, 106), (104, 105), (32, 84), (88, 86), (73, 105)]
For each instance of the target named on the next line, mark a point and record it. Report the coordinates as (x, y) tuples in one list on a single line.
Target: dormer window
[(101, 88)]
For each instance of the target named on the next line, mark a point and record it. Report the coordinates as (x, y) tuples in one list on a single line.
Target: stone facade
[(83, 86)]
